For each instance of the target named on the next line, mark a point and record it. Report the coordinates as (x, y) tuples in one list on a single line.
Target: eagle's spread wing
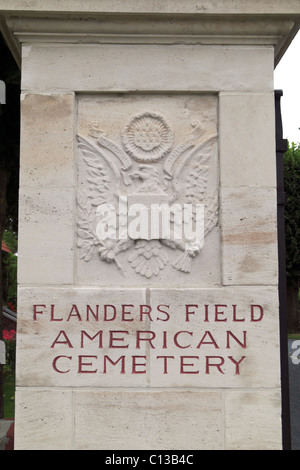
[(189, 177), (105, 164), (103, 173), (190, 180), (191, 172)]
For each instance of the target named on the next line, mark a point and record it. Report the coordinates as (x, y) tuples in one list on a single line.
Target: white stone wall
[(217, 385)]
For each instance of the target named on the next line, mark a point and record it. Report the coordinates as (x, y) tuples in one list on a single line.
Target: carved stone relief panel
[(147, 191)]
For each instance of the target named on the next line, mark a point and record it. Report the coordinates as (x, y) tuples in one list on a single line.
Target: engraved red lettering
[(237, 364), (206, 313), (54, 364), (241, 343), (260, 314), (235, 319), (165, 342), (187, 311), (121, 358), (106, 316), (52, 315), (125, 313), (74, 313), (135, 365), (163, 311), (176, 342), (165, 360), (139, 338), (183, 365), (66, 340), (219, 313), (145, 310), (114, 339), (82, 364), (212, 340), (35, 311), (89, 310), (91, 338), (217, 365)]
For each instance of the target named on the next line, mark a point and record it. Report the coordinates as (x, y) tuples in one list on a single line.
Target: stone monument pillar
[(148, 265)]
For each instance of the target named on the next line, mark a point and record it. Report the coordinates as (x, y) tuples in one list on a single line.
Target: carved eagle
[(113, 171)]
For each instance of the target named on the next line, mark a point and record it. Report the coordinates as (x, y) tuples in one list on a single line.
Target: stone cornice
[(195, 7), (136, 28)]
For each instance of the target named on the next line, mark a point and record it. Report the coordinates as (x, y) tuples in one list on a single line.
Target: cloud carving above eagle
[(146, 171)]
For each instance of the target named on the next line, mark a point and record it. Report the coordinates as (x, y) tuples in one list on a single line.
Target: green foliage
[(9, 273), (292, 213), (9, 338), (9, 395), (11, 240), (9, 269)]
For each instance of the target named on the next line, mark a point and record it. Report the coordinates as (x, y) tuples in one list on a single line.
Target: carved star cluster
[(147, 137)]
